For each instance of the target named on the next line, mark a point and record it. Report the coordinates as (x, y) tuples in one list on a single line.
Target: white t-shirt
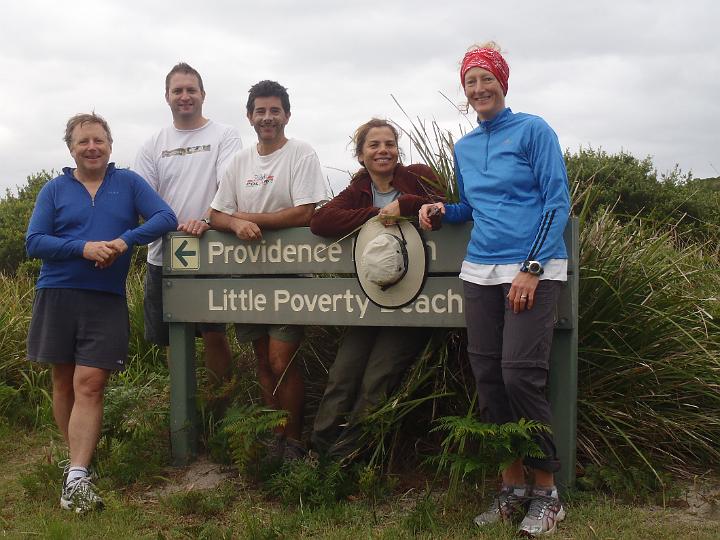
[(185, 167), (288, 177)]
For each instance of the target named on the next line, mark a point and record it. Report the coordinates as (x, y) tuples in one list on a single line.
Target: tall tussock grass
[(16, 294), (649, 347), (24, 395)]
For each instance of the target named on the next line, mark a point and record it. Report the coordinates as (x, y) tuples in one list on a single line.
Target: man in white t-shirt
[(184, 162), (272, 185)]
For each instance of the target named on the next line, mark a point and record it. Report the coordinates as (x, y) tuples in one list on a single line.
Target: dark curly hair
[(268, 89)]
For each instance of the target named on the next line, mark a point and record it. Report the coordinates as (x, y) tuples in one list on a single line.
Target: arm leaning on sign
[(157, 215), (297, 216), (197, 227), (42, 242), (243, 229), (247, 226), (342, 214)]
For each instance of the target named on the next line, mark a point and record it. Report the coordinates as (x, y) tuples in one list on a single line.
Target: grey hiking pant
[(369, 365), (510, 355)]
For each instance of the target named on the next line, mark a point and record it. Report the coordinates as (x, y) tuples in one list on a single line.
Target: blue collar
[(110, 169), (499, 119)]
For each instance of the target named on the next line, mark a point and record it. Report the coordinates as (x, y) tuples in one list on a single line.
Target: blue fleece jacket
[(513, 185), (66, 217)]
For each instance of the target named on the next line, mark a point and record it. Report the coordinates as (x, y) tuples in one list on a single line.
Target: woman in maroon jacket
[(371, 360)]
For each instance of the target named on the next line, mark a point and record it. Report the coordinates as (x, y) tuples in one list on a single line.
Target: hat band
[(404, 253)]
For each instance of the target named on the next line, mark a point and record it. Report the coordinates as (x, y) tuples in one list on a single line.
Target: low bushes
[(649, 348)]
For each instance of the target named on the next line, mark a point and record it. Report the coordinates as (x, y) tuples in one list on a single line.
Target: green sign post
[(205, 281)]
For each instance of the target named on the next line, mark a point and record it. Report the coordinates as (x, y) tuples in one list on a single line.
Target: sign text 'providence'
[(280, 252), (276, 252)]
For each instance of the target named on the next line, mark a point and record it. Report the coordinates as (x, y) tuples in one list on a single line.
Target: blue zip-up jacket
[(513, 184), (66, 217)]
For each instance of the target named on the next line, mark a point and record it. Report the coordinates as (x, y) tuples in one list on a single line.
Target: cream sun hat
[(390, 263)]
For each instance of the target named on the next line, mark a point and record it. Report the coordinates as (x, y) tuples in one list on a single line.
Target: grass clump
[(202, 503), (308, 484), (42, 481), (422, 518), (649, 349)]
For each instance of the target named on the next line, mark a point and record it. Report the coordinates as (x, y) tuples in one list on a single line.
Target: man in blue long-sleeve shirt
[(84, 226)]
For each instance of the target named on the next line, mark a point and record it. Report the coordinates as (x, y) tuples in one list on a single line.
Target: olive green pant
[(369, 365)]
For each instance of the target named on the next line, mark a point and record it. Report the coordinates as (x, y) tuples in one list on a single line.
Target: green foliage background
[(649, 344), (15, 212)]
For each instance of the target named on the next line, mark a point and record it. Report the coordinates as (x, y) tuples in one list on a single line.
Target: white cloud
[(638, 75)]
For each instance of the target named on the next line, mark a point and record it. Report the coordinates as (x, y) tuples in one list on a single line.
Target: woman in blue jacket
[(513, 185)]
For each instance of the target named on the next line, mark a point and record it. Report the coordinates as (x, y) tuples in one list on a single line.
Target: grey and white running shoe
[(80, 496), (507, 506), (544, 513)]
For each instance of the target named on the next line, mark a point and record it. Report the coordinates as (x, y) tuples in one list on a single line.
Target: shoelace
[(507, 499), (503, 496), (539, 504), (82, 481)]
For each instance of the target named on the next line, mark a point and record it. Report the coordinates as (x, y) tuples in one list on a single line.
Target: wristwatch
[(534, 268)]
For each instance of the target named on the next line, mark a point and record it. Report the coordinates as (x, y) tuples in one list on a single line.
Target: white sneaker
[(508, 505), (80, 496), (543, 515)]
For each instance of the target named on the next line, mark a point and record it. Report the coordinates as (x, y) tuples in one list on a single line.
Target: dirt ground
[(699, 500), (199, 475)]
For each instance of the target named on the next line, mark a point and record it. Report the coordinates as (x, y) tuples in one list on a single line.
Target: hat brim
[(410, 286)]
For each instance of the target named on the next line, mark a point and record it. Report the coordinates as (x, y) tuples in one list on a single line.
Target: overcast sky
[(639, 76)]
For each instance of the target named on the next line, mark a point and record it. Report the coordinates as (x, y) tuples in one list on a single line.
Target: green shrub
[(15, 212), (473, 449), (631, 187), (373, 484), (246, 428), (637, 485), (306, 484), (134, 438)]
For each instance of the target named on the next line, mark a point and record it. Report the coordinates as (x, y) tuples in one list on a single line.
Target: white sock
[(550, 491), (520, 491), (74, 473)]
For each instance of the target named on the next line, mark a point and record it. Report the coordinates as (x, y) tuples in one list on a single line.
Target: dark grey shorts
[(290, 333), (75, 326), (156, 330)]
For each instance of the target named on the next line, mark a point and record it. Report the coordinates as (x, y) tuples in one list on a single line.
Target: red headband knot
[(490, 60)]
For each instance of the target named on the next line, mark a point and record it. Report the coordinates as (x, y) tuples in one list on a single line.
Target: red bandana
[(490, 60)]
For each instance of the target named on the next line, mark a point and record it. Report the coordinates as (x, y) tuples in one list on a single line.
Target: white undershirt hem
[(497, 274)]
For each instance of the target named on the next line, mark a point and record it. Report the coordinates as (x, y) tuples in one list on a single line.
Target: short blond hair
[(85, 118)]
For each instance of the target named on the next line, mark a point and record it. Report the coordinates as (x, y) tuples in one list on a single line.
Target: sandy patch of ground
[(199, 475), (700, 500)]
